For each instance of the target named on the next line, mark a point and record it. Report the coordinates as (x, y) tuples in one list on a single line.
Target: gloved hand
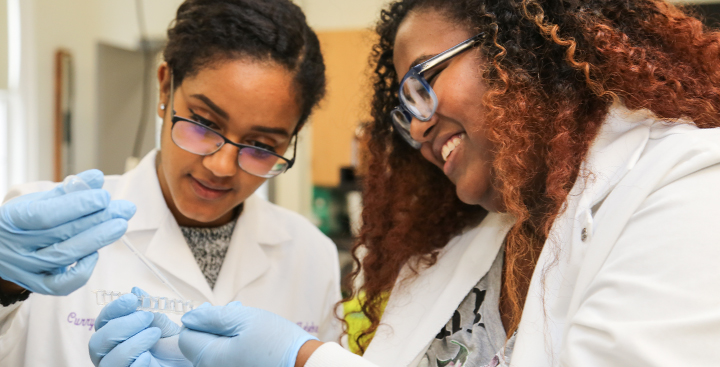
[(126, 337), (235, 335), (42, 234)]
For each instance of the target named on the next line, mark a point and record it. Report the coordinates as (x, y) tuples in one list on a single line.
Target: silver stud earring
[(162, 106)]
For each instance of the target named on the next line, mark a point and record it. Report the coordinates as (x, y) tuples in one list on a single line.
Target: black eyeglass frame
[(175, 118), (417, 71)]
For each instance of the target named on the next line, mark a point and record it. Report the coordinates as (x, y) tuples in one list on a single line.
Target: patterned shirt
[(209, 246), (475, 335)]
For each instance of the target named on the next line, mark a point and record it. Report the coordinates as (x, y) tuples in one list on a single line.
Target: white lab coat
[(636, 283), (277, 261)]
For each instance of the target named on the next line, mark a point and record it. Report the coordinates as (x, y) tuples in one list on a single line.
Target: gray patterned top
[(209, 246), (475, 335)]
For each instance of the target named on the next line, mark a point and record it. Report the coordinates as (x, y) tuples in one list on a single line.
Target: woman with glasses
[(238, 82), (542, 191)]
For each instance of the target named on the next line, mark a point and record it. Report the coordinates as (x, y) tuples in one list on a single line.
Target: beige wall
[(346, 105), (325, 15)]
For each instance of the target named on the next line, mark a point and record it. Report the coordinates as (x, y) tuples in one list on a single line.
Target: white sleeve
[(27, 188), (333, 355), (656, 300), (331, 328), (13, 329)]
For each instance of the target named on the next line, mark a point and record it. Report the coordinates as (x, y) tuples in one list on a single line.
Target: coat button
[(584, 234)]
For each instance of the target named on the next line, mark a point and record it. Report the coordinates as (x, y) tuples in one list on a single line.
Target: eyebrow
[(219, 111), (270, 130)]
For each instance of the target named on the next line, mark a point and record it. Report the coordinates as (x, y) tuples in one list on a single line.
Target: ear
[(163, 75)]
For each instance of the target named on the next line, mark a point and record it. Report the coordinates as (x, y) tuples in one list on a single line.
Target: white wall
[(3, 45), (79, 26), (118, 20), (72, 25)]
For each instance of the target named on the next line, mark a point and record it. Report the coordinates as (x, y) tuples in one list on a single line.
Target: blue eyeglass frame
[(417, 71), (175, 118)]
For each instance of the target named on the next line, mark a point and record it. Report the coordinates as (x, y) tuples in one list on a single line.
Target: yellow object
[(357, 322)]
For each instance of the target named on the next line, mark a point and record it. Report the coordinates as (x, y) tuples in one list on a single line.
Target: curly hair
[(554, 68), (208, 31)]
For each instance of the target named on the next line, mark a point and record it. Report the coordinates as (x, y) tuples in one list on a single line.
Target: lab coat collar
[(419, 306), (262, 222), (142, 187), (245, 260), (617, 148)]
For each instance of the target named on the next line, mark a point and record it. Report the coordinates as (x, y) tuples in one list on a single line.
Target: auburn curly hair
[(554, 69)]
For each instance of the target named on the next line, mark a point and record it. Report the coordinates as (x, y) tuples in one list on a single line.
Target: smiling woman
[(541, 191), (238, 82)]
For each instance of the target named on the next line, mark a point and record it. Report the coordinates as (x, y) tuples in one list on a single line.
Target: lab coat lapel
[(612, 156), (246, 259), (419, 308), (614, 152), (170, 252), (141, 187), (167, 249)]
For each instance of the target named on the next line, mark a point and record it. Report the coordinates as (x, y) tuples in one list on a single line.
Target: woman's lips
[(203, 191), (450, 161)]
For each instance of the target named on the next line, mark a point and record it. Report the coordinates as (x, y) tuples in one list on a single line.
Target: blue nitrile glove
[(235, 335), (42, 234), (126, 337)]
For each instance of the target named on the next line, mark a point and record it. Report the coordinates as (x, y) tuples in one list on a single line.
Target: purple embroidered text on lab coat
[(73, 319), (310, 327)]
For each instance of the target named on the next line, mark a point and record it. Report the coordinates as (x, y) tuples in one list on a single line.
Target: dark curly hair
[(207, 31), (553, 69)]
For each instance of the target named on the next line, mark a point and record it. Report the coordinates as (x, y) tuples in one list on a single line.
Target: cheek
[(475, 186), (174, 159), (427, 153)]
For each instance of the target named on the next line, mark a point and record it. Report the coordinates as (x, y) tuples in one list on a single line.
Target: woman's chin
[(202, 214), (486, 198)]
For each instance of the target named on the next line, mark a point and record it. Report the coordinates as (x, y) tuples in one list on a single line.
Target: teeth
[(451, 144)]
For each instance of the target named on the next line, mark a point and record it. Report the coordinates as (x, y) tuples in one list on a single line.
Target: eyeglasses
[(196, 138), (417, 98)]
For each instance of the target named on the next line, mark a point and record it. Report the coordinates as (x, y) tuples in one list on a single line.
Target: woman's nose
[(224, 162), (421, 131)]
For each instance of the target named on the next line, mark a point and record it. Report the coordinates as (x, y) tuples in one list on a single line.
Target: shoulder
[(110, 184), (28, 188), (301, 232), (676, 152)]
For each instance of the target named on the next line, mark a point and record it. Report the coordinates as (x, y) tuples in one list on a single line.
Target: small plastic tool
[(74, 183), (148, 303)]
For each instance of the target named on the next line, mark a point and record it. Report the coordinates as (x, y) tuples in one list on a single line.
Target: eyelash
[(212, 125), (263, 145), (202, 120)]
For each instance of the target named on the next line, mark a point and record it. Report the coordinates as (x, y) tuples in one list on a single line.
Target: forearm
[(10, 288), (306, 351), (11, 293), (320, 354)]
